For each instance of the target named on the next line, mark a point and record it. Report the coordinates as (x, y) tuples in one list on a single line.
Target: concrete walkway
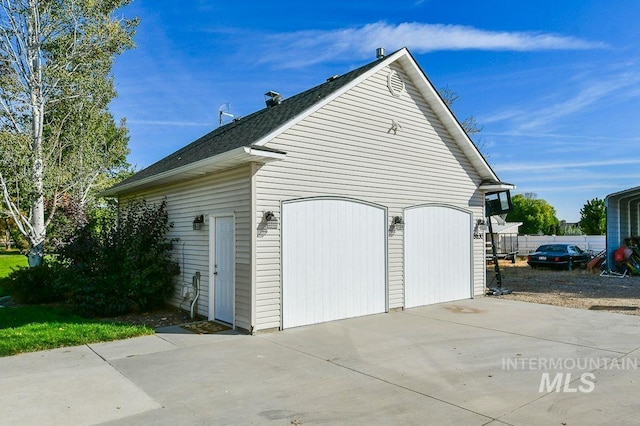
[(472, 362)]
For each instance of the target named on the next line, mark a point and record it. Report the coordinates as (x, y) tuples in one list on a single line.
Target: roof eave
[(225, 160), (496, 186), (627, 193)]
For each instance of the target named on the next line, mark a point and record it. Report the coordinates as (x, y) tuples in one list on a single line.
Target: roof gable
[(246, 137)]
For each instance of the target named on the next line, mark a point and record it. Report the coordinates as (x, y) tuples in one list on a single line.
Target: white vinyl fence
[(529, 243)]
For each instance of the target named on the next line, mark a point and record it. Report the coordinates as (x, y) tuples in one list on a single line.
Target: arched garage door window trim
[(353, 200), (449, 206)]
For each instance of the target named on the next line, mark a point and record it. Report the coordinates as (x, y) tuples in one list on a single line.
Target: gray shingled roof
[(247, 130)]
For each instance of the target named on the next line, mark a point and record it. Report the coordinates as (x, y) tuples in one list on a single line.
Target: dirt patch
[(574, 289), (162, 317), (168, 316)]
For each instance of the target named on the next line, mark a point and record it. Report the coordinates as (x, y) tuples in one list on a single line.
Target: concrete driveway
[(483, 361)]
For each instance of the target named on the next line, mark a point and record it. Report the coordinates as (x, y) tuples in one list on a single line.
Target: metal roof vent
[(380, 53), (272, 98)]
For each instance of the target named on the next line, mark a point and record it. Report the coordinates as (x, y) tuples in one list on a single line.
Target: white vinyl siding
[(219, 193), (347, 149)]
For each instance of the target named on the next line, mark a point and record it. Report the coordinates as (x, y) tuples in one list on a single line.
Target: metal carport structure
[(623, 219)]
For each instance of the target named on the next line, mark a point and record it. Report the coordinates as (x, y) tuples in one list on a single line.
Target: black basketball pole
[(494, 252)]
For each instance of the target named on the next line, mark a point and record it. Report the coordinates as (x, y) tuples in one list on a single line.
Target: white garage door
[(333, 260), (437, 255)]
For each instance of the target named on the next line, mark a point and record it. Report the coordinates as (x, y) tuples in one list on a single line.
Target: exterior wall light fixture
[(397, 223), (480, 227), (198, 222), (270, 220)]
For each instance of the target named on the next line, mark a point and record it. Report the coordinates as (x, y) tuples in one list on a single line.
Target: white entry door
[(438, 257), (333, 260), (223, 270)]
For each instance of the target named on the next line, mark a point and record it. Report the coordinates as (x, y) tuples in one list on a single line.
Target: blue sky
[(554, 84)]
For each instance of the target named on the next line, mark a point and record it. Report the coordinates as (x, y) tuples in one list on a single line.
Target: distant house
[(505, 237), (355, 197), (570, 228)]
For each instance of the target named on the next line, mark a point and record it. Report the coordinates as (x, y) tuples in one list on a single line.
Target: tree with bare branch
[(56, 133), (469, 124)]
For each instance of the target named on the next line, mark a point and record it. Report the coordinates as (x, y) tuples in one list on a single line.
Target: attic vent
[(395, 83), (333, 77), (272, 98)]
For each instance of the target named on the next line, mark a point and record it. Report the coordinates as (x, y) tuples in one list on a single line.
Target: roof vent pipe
[(380, 53), (272, 98)]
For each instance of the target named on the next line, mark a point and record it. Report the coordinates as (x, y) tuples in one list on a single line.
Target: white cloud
[(586, 97), (577, 137), (588, 187), (569, 175), (560, 166), (317, 46), (597, 88)]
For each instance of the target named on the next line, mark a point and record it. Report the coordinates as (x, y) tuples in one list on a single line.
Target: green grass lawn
[(36, 328), (9, 261)]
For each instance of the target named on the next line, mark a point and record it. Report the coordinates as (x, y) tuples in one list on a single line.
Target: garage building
[(355, 197)]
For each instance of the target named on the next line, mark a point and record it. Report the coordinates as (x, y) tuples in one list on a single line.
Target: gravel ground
[(574, 289)]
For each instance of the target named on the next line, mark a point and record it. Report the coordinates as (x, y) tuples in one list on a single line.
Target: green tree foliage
[(537, 216), (10, 237), (593, 217), (74, 213), (122, 264), (56, 134)]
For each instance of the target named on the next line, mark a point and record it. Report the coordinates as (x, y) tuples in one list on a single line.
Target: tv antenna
[(223, 111)]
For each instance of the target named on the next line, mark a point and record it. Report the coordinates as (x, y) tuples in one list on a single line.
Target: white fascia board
[(331, 97), (267, 155), (499, 186)]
